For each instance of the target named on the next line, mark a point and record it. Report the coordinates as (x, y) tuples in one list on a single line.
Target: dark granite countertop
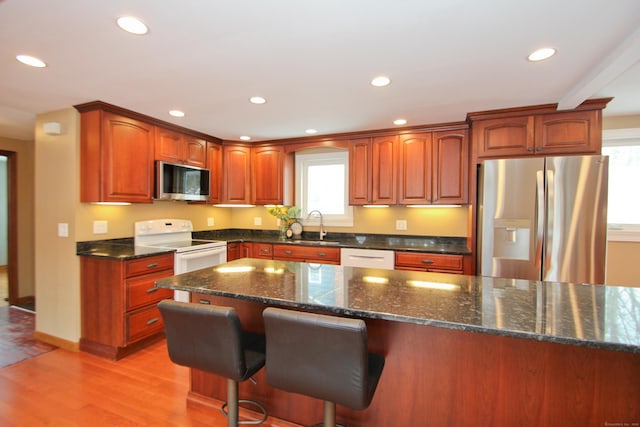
[(125, 249), (593, 316)]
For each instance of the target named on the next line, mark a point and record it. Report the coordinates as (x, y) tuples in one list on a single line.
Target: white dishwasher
[(367, 258)]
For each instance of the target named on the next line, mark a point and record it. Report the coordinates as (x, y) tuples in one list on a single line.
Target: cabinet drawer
[(429, 262), (141, 290), (306, 253), (149, 264), (143, 323), (262, 250)]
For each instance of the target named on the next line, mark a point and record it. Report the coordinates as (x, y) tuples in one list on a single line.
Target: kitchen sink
[(315, 242)]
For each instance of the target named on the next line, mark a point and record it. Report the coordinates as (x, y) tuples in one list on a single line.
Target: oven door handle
[(201, 254)]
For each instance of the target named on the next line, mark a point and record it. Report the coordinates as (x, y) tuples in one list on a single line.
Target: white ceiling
[(313, 60)]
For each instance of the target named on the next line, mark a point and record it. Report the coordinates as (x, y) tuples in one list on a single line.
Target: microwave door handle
[(202, 254)]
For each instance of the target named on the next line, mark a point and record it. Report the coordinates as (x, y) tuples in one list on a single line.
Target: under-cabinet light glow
[(433, 285)]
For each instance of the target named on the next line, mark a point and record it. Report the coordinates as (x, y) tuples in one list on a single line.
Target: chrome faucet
[(322, 232)]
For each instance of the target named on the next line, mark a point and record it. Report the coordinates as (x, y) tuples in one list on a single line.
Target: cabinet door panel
[(168, 146), (568, 133), (450, 167), (237, 174), (267, 175), (384, 170), (360, 172), (512, 136), (127, 160), (414, 169), (195, 151), (214, 164)]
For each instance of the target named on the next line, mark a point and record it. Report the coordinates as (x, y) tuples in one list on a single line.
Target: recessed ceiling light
[(257, 100), (311, 131), (132, 25), (31, 60), (176, 113), (245, 138), (540, 54), (380, 81), (399, 122)]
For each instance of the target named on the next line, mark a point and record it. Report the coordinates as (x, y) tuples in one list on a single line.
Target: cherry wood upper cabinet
[(214, 164), (450, 167), (236, 174), (116, 158), (360, 172), (574, 132), (384, 170), (175, 147), (414, 168), (267, 177)]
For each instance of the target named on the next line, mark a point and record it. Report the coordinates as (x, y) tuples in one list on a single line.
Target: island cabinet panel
[(267, 177), (236, 174), (302, 253), (118, 303), (414, 169), (214, 164), (436, 263), (175, 147), (450, 167), (574, 132), (435, 376), (116, 158)]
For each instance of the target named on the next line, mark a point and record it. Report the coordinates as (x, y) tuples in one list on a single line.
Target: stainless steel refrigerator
[(543, 218)]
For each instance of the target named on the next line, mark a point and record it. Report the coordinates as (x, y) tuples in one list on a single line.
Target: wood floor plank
[(63, 388)]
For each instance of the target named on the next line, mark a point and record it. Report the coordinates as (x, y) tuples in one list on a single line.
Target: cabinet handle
[(538, 148), (427, 261), (152, 265), (288, 252), (321, 254), (152, 321), (530, 149), (152, 290), (264, 251), (205, 301)]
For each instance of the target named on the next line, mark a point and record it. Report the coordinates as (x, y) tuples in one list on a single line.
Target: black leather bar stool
[(210, 338), (320, 356)]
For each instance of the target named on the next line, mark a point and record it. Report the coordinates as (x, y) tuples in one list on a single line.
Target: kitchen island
[(459, 350)]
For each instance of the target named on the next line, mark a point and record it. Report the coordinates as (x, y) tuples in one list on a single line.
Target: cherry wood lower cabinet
[(445, 377), (435, 263), (301, 253), (118, 303)]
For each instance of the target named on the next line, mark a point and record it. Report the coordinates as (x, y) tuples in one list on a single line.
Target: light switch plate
[(210, 221), (257, 220), (63, 229), (401, 224), (100, 227)]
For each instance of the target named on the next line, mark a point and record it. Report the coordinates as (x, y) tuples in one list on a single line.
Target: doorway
[(8, 229)]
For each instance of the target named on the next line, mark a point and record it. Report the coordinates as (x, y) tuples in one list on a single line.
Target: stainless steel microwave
[(180, 182)]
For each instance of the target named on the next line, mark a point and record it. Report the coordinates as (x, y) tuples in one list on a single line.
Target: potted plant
[(285, 215)]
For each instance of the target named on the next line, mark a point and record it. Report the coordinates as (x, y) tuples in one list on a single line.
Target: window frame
[(618, 138), (314, 157)]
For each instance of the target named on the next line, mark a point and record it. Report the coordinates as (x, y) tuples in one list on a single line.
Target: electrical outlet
[(210, 222), (257, 220), (100, 227), (401, 224), (63, 229)]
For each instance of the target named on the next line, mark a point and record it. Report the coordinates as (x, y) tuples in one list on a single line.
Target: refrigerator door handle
[(540, 209)]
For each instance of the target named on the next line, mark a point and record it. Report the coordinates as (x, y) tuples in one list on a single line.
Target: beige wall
[(25, 200), (450, 222)]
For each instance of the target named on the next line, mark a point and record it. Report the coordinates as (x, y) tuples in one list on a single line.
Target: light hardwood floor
[(4, 286), (62, 388)]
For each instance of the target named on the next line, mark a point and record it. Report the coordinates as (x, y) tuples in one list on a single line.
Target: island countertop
[(593, 316)]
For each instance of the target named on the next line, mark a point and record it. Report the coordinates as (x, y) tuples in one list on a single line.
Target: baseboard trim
[(58, 342)]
